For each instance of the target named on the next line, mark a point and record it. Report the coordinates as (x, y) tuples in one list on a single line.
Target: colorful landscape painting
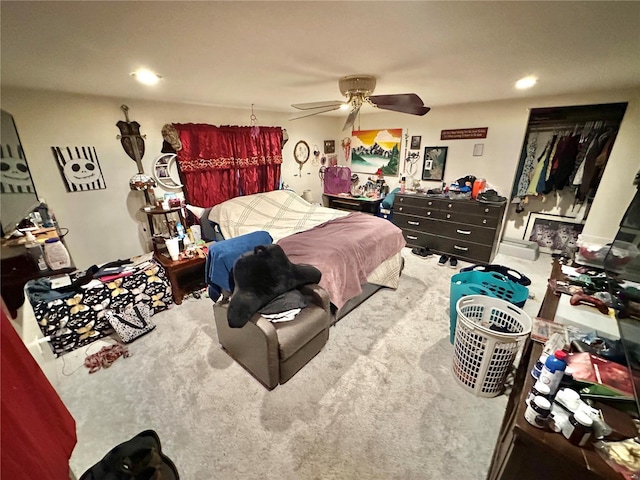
[(373, 149)]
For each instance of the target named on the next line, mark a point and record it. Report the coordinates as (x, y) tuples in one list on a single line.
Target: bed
[(356, 253)]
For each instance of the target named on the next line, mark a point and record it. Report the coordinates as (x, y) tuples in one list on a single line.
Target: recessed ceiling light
[(146, 76), (526, 82)]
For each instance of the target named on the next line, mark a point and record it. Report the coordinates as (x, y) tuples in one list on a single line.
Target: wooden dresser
[(466, 229)]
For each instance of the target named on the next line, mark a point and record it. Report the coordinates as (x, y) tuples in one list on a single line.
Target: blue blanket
[(222, 255)]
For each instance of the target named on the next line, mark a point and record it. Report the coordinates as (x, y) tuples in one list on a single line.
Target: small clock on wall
[(301, 153), (165, 169)]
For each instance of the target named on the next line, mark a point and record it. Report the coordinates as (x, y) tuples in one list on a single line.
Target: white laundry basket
[(482, 356)]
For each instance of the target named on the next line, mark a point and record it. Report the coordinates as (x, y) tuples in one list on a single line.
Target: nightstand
[(184, 275)]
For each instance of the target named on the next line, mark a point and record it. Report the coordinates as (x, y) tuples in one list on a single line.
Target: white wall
[(106, 224), (507, 122)]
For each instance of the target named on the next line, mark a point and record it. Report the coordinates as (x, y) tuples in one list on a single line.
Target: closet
[(564, 154)]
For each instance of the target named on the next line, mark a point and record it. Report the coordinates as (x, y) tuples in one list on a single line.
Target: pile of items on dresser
[(583, 387)]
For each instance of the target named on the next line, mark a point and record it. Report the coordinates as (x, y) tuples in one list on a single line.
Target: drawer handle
[(400, 209), (429, 203), (448, 215), (486, 210), (484, 221), (464, 232), (449, 206), (428, 214), (413, 223), (402, 199), (464, 249), (411, 237)]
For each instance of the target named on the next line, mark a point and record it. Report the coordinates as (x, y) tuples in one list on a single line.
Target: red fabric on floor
[(38, 433)]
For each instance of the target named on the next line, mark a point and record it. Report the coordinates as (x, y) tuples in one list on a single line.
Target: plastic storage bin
[(491, 284), (482, 355), (602, 253)]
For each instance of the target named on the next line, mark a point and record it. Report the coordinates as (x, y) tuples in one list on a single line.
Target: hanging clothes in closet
[(566, 150)]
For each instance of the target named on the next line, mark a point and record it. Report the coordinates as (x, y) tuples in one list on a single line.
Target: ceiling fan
[(358, 89)]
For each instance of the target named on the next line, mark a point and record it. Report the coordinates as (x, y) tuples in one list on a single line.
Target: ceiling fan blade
[(312, 105), (410, 109), (316, 111), (402, 102), (351, 118)]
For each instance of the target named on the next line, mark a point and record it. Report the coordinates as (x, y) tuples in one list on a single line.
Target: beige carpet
[(379, 402)]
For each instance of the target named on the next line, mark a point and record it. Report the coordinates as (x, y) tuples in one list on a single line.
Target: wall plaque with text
[(464, 133)]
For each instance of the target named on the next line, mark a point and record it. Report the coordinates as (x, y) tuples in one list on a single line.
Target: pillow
[(262, 275)]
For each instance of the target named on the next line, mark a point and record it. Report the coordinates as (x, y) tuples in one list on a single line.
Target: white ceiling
[(272, 54)]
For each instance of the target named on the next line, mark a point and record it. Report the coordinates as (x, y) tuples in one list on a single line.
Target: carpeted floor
[(379, 402)]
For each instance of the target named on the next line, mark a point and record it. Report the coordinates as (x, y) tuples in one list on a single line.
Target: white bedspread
[(281, 213)]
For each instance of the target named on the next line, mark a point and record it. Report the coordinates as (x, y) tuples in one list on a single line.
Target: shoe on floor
[(443, 260), (421, 252), (453, 262)]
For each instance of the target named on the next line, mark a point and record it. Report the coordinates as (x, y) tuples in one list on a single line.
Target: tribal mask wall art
[(80, 168)]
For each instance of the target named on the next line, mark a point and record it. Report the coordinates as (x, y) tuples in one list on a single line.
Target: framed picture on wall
[(415, 142), (435, 159), (553, 233), (329, 146)]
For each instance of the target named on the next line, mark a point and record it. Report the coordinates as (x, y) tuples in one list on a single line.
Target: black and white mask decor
[(14, 172), (80, 168)]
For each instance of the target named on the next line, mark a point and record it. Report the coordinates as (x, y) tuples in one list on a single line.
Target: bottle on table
[(553, 370), (56, 254), (35, 252)]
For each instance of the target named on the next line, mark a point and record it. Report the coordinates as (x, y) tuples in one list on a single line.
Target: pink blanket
[(346, 250)]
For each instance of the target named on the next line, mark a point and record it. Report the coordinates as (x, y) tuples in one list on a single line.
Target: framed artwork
[(415, 142), (329, 146), (79, 168), (435, 159), (374, 149), (553, 233)]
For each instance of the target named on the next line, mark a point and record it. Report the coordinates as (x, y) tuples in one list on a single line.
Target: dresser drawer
[(418, 239), (464, 249), (421, 211), (412, 222), (472, 207), (465, 218), (466, 233), (419, 200)]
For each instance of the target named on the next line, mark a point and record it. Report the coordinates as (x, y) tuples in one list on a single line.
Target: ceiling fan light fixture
[(146, 77), (526, 82), (357, 84), (344, 107)]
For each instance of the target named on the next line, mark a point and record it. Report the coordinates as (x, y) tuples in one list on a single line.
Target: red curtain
[(38, 432), (219, 163)]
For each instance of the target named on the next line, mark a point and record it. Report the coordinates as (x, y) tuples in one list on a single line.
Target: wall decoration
[(14, 176), (329, 146), (80, 168), (464, 133), (165, 170), (374, 149), (478, 149), (553, 233), (434, 162), (415, 142)]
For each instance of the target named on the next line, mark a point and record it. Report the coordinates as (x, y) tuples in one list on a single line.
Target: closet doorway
[(564, 155)]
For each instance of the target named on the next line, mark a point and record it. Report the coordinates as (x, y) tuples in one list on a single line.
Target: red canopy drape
[(219, 163)]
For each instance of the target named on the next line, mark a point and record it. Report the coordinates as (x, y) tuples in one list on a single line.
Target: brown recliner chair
[(274, 352)]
